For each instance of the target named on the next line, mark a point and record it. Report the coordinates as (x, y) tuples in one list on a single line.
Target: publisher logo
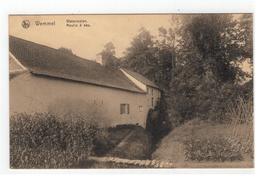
[(25, 24)]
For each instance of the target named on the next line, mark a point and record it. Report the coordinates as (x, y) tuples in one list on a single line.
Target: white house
[(43, 79)]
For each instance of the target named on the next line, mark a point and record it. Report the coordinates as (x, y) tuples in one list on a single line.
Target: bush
[(240, 115), (236, 144), (212, 149), (103, 143), (42, 140), (241, 111)]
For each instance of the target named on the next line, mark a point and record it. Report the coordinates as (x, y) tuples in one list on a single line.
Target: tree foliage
[(246, 26), (207, 75), (197, 62), (108, 55), (66, 50), (150, 57)]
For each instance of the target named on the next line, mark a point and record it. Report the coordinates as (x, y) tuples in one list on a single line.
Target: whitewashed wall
[(29, 93)]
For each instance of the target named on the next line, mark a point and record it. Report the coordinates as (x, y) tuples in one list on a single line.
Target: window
[(140, 108), (124, 109), (152, 102), (98, 101), (152, 91)]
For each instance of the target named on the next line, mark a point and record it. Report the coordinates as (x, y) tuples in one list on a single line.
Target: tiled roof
[(43, 60)]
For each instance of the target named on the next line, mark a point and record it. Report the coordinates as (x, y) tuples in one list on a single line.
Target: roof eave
[(84, 82)]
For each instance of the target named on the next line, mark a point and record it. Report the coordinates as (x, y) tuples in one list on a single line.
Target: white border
[(112, 6)]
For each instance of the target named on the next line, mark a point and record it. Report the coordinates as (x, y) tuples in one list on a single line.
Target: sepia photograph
[(105, 91)]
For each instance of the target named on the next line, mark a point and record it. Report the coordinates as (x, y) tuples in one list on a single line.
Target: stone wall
[(141, 163)]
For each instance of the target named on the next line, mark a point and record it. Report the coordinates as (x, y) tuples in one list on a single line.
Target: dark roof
[(141, 78), (43, 60)]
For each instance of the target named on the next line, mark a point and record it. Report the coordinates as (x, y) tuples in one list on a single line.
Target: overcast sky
[(86, 42)]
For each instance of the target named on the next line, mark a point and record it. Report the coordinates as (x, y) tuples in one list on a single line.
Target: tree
[(217, 39), (150, 57), (65, 50), (153, 58), (166, 55), (246, 26), (108, 55), (209, 51), (140, 56), (197, 63)]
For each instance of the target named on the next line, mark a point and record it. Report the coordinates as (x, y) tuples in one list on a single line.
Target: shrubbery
[(240, 116), (212, 149), (236, 145), (42, 140)]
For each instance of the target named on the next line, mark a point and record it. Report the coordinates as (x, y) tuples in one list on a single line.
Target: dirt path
[(135, 145)]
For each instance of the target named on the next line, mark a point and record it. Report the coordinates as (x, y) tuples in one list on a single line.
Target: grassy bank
[(207, 144)]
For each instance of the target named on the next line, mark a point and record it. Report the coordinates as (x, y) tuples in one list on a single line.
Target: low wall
[(141, 163)]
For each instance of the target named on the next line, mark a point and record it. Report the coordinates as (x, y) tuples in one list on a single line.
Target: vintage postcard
[(131, 91)]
